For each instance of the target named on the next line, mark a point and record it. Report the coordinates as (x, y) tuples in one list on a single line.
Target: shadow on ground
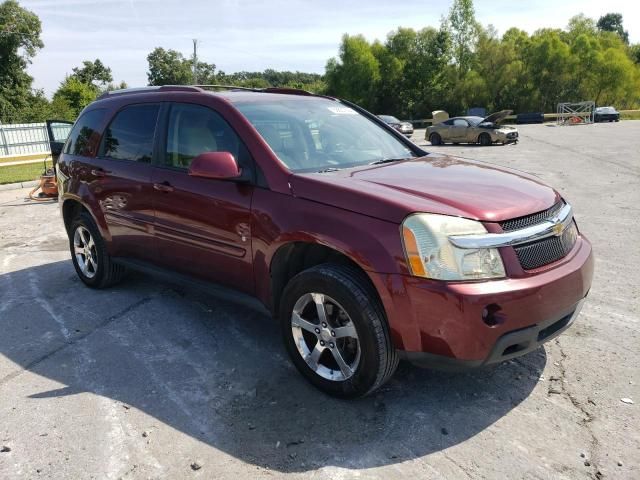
[(217, 371)]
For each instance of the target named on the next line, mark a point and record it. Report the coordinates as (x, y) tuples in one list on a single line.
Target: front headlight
[(430, 254)]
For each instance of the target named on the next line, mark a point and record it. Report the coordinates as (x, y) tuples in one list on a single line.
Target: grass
[(21, 173), (19, 158), (630, 115)]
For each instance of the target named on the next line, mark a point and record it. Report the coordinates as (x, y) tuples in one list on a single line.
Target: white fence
[(27, 138)]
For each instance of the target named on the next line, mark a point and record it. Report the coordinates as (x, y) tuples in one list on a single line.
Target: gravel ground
[(152, 380)]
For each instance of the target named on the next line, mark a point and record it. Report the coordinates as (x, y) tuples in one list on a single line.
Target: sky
[(254, 35)]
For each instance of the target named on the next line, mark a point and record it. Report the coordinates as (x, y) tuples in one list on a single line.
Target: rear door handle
[(163, 187), (99, 172)]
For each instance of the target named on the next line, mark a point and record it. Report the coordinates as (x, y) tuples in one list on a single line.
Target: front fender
[(277, 220)]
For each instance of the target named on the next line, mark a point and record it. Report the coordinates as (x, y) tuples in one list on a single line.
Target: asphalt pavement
[(151, 379)]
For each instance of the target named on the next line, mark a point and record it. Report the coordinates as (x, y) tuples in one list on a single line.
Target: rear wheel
[(89, 254), (335, 331), (484, 139), (435, 139)]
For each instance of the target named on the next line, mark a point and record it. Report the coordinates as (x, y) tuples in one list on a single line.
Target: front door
[(58, 131), (202, 225), (120, 180), (459, 130)]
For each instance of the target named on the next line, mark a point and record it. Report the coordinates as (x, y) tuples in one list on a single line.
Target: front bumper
[(510, 345), (439, 323)]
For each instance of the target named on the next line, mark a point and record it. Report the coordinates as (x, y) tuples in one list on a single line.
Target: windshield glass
[(475, 120), (316, 134), (606, 110)]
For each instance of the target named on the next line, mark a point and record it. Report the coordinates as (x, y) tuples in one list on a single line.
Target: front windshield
[(316, 134), (475, 120)]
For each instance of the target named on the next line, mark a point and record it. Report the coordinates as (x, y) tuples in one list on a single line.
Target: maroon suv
[(363, 246)]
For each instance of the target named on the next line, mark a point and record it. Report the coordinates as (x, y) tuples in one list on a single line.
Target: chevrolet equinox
[(365, 248)]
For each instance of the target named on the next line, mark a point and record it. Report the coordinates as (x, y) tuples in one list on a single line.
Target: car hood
[(434, 184), (497, 117)]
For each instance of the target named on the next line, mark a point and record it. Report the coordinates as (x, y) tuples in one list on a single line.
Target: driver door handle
[(163, 187)]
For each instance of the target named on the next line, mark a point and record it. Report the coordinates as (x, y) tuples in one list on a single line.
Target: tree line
[(462, 64), (455, 66)]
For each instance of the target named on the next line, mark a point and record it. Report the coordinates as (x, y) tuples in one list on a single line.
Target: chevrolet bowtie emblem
[(558, 228)]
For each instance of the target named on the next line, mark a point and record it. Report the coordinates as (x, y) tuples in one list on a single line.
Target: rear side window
[(130, 134), (460, 123), (84, 134), (194, 129)]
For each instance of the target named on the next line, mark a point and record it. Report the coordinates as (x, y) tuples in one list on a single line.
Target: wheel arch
[(294, 257), (72, 206)]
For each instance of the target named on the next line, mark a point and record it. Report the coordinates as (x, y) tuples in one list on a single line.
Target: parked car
[(484, 131), (530, 117), (363, 246), (606, 114), (405, 128)]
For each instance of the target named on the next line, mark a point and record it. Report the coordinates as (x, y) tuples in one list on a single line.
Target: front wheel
[(335, 331), (484, 139)]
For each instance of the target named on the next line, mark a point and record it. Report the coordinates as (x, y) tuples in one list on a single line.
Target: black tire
[(484, 139), (107, 273), (348, 286), (435, 139)]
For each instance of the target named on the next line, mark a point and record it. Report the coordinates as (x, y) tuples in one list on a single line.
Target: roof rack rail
[(283, 90), (161, 88), (227, 87)]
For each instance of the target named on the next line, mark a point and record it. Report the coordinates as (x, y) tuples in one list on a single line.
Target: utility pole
[(195, 61)]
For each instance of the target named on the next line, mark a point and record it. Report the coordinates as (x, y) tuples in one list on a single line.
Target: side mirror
[(218, 165)]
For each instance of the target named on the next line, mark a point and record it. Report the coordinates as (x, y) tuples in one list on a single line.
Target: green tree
[(75, 95), (634, 53), (463, 29), (612, 22), (550, 66), (170, 67), (93, 73), (355, 74), (19, 41)]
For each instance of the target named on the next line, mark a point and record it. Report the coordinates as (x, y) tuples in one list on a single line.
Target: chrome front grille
[(547, 250), (529, 220)]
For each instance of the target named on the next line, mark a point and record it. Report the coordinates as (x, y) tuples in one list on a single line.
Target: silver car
[(485, 131)]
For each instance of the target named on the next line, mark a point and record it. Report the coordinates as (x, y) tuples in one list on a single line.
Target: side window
[(84, 133), (194, 129), (460, 123), (130, 134)]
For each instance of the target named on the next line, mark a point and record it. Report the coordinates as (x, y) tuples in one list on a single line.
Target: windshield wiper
[(389, 160), (330, 169)]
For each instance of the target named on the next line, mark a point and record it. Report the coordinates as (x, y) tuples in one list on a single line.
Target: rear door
[(202, 224), (444, 130), (120, 179), (58, 132)]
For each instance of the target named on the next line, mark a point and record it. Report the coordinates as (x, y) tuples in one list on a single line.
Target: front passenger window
[(194, 129)]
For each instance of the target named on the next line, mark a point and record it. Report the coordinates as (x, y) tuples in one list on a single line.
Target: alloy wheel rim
[(84, 248), (325, 337)]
